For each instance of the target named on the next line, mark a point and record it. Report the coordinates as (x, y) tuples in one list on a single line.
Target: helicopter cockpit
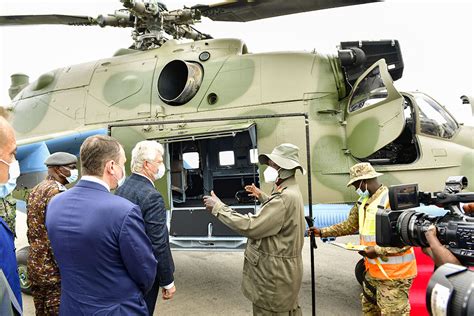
[(434, 119)]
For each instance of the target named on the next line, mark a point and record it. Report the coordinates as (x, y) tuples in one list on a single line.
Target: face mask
[(270, 174), (362, 194), (121, 180), (13, 174), (74, 175), (161, 172)]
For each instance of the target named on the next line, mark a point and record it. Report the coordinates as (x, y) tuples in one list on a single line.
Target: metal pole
[(310, 202)]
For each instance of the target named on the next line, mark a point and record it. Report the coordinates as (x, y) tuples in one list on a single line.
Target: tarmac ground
[(208, 283)]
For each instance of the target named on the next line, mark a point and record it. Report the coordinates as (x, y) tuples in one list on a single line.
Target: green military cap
[(60, 159), (285, 156), (362, 171)]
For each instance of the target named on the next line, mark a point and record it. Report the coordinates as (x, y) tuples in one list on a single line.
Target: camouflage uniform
[(392, 295), (43, 271), (8, 212)]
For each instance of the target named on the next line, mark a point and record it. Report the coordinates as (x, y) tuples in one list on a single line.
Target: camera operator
[(437, 251)]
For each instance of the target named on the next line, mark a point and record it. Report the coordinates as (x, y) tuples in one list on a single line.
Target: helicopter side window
[(434, 119), (191, 160), (226, 158), (371, 90)]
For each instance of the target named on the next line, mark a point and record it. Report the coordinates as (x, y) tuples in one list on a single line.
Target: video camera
[(450, 291), (396, 228)]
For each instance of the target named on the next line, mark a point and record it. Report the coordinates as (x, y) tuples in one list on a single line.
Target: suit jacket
[(139, 190), (104, 256)]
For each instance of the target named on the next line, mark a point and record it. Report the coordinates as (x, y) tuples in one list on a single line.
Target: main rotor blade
[(46, 19), (250, 10)]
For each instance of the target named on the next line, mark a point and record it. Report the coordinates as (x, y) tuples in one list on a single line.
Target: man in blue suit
[(104, 256), (147, 167)]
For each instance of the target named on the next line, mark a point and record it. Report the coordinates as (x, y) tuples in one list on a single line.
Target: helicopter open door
[(374, 114)]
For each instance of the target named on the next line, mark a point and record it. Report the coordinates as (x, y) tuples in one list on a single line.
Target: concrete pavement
[(208, 283)]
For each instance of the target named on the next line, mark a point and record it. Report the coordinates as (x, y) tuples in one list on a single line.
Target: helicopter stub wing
[(250, 10), (46, 19)]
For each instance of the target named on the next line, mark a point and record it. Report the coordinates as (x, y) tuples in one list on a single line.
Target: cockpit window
[(371, 90), (434, 120)]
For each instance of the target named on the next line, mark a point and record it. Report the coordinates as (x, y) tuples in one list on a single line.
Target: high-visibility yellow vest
[(400, 266)]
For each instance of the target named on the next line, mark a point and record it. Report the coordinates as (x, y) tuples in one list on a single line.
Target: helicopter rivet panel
[(216, 47), (29, 113), (121, 90), (267, 78)]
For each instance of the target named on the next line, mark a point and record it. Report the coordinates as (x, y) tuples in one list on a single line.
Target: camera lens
[(410, 226), (451, 291)]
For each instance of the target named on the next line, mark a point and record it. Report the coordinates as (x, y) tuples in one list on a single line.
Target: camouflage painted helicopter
[(215, 105)]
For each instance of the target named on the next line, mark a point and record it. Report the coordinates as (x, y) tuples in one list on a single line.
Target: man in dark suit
[(104, 256), (147, 166)]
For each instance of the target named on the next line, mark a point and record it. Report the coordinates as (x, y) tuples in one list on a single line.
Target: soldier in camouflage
[(389, 270), (43, 271), (8, 212)]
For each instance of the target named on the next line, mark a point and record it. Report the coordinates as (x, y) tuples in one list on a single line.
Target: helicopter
[(215, 106)]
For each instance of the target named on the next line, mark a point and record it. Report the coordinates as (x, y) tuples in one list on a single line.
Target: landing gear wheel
[(21, 259), (359, 271)]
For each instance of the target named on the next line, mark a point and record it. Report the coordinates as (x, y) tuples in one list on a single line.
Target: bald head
[(6, 131)]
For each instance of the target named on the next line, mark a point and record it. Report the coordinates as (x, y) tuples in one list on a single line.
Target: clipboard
[(348, 246)]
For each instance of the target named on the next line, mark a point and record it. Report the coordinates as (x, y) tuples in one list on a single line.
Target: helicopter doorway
[(224, 162)]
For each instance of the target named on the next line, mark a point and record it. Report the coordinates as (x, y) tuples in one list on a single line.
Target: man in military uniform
[(8, 211), (43, 271), (273, 266), (389, 270)]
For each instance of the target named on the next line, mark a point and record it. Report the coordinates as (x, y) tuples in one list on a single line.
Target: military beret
[(60, 159)]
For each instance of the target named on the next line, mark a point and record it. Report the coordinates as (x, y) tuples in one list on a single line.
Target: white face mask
[(74, 176), (160, 172), (270, 174), (362, 194), (121, 180), (13, 174)]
